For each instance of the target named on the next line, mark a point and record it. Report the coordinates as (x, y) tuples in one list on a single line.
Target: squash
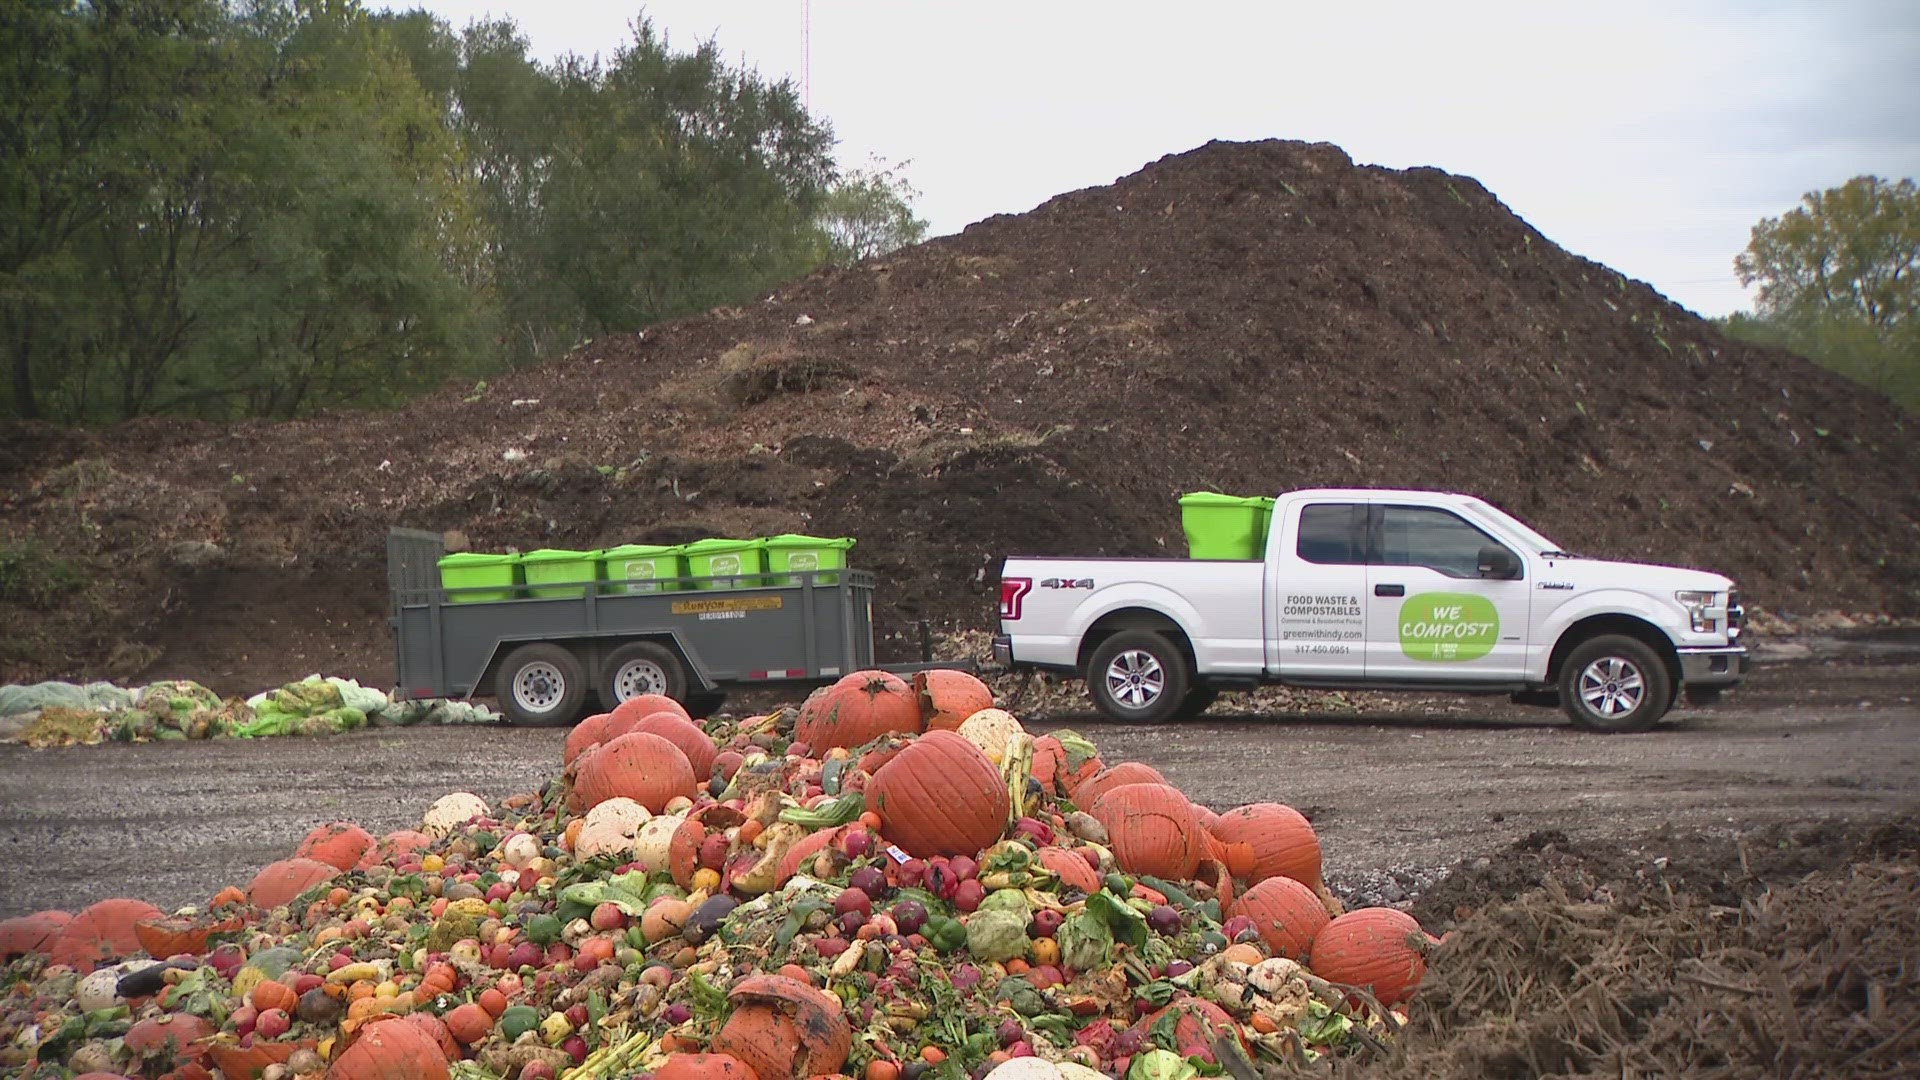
[(251, 1061), (164, 937), (104, 931), (168, 1039), (940, 796), (784, 1029), (1063, 760), (685, 734), (451, 812), (283, 882), (1286, 914), (640, 766), (1377, 949), (948, 697), (993, 731), (1266, 840), (610, 829), (273, 994), (858, 709), (653, 844), (390, 1050), (340, 845), (703, 1067), (1152, 830), (664, 918), (469, 1023), (1088, 791)]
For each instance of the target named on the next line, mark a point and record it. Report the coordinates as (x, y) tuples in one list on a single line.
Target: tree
[(1839, 280), (868, 213)]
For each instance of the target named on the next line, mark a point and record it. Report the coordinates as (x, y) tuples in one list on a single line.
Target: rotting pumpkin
[(858, 709), (783, 1029), (1153, 830), (940, 796)]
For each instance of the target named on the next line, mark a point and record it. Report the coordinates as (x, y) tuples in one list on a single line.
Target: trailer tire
[(641, 667), (541, 685), (1137, 676)]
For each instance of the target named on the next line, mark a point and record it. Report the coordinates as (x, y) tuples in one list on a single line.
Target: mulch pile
[(1248, 317)]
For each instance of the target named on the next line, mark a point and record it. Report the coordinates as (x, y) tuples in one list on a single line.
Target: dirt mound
[(1813, 979), (1250, 317)]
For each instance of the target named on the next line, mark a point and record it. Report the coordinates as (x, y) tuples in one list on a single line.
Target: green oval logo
[(1448, 627)]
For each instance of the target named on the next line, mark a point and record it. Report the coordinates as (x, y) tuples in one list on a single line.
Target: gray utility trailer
[(544, 658)]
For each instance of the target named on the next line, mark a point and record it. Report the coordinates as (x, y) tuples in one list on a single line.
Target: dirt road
[(1822, 732)]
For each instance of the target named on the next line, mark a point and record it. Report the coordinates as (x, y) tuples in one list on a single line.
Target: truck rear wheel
[(641, 667), (1137, 676), (1615, 683), (541, 684)]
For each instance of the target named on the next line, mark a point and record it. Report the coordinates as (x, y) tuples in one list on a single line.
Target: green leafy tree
[(1839, 281), (868, 213)]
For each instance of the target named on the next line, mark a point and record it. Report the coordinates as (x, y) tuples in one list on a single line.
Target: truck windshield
[(1518, 528)]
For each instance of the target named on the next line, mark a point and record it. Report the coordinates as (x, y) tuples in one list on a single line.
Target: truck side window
[(1330, 534), (1435, 539)]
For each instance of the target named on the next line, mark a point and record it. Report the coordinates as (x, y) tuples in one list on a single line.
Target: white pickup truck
[(1379, 590)]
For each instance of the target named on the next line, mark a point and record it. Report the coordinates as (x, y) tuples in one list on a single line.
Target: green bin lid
[(795, 540), (558, 555), (1214, 498), (717, 545), (475, 558), (636, 551)]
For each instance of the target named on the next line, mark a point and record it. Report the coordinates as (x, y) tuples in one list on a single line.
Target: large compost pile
[(1243, 317)]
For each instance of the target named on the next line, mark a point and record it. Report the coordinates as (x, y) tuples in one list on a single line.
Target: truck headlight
[(1697, 605)]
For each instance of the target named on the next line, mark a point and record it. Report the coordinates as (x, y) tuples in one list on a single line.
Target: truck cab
[(1380, 590)]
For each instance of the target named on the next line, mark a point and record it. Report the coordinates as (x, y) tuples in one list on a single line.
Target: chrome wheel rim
[(1135, 679), (538, 687), (1612, 687), (637, 677)]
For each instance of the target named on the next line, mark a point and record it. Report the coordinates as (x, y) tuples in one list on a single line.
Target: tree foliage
[(1839, 281), (869, 213), (263, 207)]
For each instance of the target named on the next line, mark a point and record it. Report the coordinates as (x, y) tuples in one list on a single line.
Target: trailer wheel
[(641, 667), (541, 684), (1137, 676)]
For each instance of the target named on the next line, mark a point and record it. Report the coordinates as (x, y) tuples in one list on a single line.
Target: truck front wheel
[(1137, 676), (1615, 683), (541, 684)]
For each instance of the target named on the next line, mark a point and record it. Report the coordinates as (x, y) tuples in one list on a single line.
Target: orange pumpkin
[(1266, 840), (595, 730), (251, 1061), (1088, 791), (784, 1029), (683, 852), (947, 698), (273, 994), (437, 1030), (940, 796), (392, 846), (1073, 871), (1152, 830), (166, 937), (1286, 913), (104, 931), (1196, 1020), (858, 709), (804, 849), (703, 1067), (166, 1040), (282, 882), (340, 845), (1064, 760), (1377, 949), (30, 933), (644, 705), (391, 1049), (640, 766), (685, 734)]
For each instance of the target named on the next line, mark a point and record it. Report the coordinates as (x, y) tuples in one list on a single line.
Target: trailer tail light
[(1012, 591)]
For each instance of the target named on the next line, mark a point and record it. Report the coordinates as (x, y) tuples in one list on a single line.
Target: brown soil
[(1250, 317)]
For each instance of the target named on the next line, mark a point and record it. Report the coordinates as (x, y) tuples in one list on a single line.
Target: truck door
[(1319, 592), (1434, 615)]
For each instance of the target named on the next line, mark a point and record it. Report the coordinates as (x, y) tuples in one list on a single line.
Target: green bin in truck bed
[(793, 553), (472, 570), (642, 568), (556, 574), (1225, 526), (726, 564)]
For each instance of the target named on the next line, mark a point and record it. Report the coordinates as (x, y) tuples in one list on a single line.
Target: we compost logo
[(1448, 627)]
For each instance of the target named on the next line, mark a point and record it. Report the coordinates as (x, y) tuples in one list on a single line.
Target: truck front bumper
[(1003, 651), (1713, 665)]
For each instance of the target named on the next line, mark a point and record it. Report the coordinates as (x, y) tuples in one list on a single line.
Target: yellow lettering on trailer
[(736, 603)]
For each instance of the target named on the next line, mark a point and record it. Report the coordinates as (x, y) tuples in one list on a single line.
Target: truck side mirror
[(1498, 563)]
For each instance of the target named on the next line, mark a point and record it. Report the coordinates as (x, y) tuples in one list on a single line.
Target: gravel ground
[(1397, 798)]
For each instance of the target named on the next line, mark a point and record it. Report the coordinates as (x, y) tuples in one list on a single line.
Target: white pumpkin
[(654, 843), (520, 850), (1027, 1068), (450, 812), (611, 829), (992, 730)]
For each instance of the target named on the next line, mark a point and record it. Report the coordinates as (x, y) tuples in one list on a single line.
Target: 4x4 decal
[(1067, 583)]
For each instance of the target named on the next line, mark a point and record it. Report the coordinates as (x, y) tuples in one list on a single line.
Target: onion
[(851, 922), (965, 977), (829, 947), (1240, 928), (1163, 919), (1010, 1032), (910, 916), (1178, 968), (677, 1013), (858, 844), (869, 880)]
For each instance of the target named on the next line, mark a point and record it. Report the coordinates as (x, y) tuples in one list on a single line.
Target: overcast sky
[(1649, 136)]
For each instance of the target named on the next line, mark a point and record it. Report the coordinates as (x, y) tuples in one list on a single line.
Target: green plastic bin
[(472, 570), (793, 552), (1225, 526), (729, 564), (639, 568), (548, 572)]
